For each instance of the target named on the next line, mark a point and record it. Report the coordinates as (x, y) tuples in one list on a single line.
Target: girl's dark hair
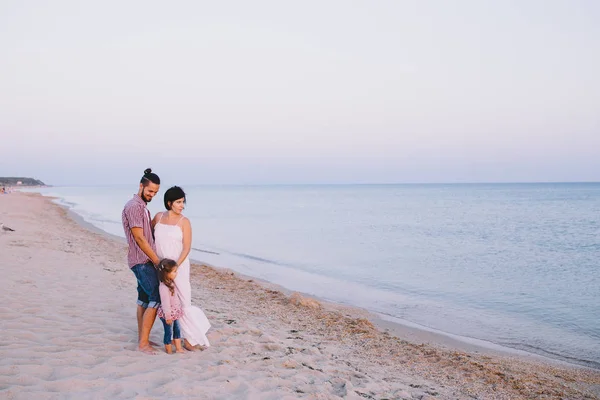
[(172, 194), (165, 266), (148, 177)]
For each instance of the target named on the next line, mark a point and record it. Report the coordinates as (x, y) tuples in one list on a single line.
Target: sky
[(328, 91)]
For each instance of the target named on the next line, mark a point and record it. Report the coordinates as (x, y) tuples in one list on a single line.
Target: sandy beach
[(69, 331)]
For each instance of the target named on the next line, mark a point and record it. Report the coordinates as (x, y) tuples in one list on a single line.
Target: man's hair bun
[(148, 177)]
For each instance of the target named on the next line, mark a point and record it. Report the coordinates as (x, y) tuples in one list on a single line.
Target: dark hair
[(165, 266), (148, 177), (172, 194)]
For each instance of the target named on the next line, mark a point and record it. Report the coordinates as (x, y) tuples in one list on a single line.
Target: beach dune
[(69, 331)]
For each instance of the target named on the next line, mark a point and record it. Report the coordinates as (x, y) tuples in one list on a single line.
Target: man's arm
[(138, 236)]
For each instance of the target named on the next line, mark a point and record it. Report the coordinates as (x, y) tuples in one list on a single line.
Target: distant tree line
[(14, 181)]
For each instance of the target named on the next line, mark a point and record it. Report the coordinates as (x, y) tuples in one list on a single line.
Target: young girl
[(170, 309)]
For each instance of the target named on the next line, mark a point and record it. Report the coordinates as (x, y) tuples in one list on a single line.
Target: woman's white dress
[(169, 244)]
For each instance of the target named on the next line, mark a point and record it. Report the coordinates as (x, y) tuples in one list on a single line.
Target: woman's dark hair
[(148, 177), (165, 266), (172, 194)]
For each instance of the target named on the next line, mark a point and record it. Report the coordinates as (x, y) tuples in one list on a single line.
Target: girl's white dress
[(169, 244)]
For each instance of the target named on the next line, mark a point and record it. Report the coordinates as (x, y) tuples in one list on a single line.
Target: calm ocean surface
[(517, 265)]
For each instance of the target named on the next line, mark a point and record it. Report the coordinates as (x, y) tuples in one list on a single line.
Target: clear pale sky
[(300, 92)]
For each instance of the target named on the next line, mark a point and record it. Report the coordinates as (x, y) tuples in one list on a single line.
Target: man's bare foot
[(180, 351), (147, 349), (168, 349)]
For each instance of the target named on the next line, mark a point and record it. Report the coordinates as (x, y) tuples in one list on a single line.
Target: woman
[(173, 236)]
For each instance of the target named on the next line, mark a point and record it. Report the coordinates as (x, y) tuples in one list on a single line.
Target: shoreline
[(393, 325), (265, 342)]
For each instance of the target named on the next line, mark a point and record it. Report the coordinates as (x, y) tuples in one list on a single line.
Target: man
[(141, 255)]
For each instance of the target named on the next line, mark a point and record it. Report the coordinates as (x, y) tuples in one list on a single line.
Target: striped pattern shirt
[(136, 215)]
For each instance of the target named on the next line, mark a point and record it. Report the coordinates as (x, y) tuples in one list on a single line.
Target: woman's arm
[(156, 219), (186, 227)]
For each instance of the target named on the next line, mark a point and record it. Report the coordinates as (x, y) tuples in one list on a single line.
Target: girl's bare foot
[(168, 349)]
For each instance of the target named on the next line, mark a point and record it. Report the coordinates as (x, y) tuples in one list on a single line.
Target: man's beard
[(146, 199)]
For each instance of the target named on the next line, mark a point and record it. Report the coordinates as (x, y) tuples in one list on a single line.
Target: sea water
[(517, 265)]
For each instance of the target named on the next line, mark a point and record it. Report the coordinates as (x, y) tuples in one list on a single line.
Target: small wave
[(553, 354), (296, 266), (260, 259), (61, 201), (251, 257), (205, 251), (105, 221)]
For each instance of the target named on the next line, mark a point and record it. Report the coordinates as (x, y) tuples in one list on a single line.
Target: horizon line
[(347, 184)]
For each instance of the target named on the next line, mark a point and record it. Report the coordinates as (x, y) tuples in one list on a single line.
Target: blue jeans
[(171, 331), (147, 279)]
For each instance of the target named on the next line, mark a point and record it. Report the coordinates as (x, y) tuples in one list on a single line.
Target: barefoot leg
[(178, 347), (177, 336), (168, 348), (188, 346), (147, 321), (140, 317)]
